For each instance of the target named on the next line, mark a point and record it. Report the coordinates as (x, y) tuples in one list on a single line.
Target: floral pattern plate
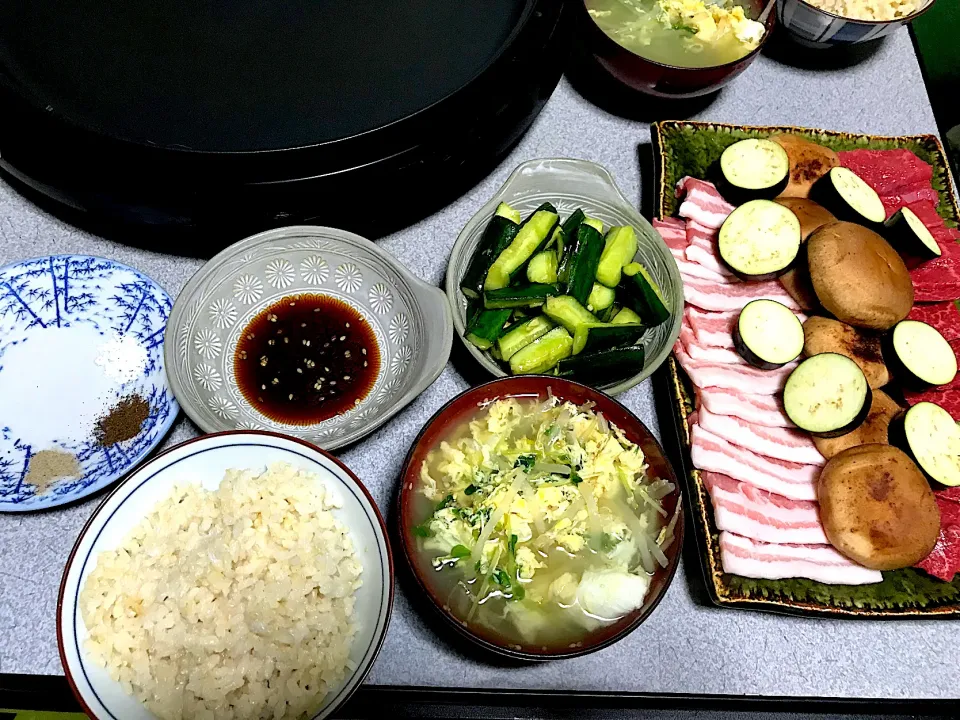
[(411, 322), (78, 334)]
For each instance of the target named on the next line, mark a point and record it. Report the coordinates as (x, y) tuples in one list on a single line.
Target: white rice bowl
[(229, 602)]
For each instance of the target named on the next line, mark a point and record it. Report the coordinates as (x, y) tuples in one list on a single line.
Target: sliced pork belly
[(760, 409), (696, 271), (673, 231), (708, 295), (767, 561), (712, 328), (707, 353), (750, 512), (702, 202), (737, 377), (702, 249), (712, 453), (774, 442)]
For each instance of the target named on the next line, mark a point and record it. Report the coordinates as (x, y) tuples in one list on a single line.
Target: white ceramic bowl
[(570, 184), (815, 28), (203, 461), (410, 320)]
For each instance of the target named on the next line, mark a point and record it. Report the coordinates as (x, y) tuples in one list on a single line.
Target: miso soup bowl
[(459, 410), (656, 78)]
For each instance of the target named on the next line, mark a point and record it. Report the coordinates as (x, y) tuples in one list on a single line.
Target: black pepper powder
[(123, 421)]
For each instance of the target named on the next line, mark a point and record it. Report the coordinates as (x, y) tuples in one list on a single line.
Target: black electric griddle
[(223, 118)]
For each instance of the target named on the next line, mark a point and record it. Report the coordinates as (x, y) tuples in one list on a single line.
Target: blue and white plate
[(78, 334)]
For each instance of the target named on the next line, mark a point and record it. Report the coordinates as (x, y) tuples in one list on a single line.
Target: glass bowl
[(571, 184)]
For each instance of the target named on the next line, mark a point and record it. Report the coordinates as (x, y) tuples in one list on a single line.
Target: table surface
[(686, 646)]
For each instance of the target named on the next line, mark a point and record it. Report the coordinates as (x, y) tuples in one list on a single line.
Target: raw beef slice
[(946, 396), (944, 561), (944, 316), (889, 172), (938, 279)]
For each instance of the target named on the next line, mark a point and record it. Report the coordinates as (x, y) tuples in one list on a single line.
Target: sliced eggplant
[(910, 237), (524, 296), (603, 367), (929, 435), (521, 335), (768, 334), (759, 240), (919, 356), (641, 294), (845, 194), (565, 310), (827, 395), (591, 337), (754, 169), (543, 353)]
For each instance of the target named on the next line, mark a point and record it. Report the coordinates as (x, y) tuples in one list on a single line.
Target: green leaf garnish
[(526, 461), (460, 551), (422, 531), (470, 489)]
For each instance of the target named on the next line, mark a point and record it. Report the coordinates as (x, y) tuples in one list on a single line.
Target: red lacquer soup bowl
[(458, 411), (659, 79)]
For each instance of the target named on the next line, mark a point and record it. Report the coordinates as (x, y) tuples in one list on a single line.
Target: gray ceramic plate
[(411, 322), (571, 184)]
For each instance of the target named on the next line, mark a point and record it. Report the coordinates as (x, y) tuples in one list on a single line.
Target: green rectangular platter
[(689, 148)]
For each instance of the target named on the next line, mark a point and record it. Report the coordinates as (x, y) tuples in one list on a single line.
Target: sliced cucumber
[(532, 236), (601, 297), (504, 210), (584, 256), (642, 294), (565, 310), (919, 356), (910, 237), (626, 315), (486, 327), (543, 267), (499, 233), (754, 169), (848, 197), (609, 314), (591, 337), (759, 240), (603, 367), (928, 434), (571, 224), (543, 353), (594, 223), (768, 334), (524, 296), (631, 269), (620, 246), (521, 335), (827, 395)]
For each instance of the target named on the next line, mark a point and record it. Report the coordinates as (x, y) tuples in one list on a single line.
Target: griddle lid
[(251, 75)]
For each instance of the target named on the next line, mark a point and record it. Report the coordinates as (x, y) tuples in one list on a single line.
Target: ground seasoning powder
[(123, 421), (50, 465)]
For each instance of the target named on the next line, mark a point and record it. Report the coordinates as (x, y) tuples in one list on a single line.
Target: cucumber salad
[(560, 297), (540, 521)]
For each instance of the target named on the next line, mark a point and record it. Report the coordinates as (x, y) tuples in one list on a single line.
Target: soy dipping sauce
[(306, 359)]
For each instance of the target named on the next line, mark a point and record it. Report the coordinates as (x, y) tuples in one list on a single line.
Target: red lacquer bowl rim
[(727, 66), (530, 386)]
